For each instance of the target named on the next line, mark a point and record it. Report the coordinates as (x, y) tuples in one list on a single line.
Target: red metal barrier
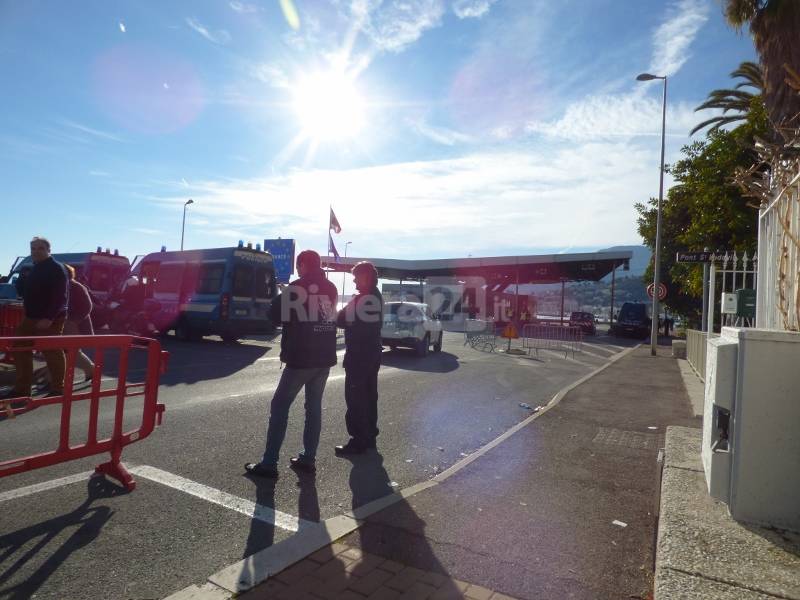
[(125, 345), (11, 315)]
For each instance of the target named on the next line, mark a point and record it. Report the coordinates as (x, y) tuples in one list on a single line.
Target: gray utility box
[(751, 425)]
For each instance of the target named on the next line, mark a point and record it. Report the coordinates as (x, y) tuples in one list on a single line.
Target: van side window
[(243, 280), (209, 279), (149, 276), (264, 277), (169, 279)]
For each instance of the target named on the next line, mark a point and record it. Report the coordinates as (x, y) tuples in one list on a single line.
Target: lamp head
[(189, 201), (647, 77)]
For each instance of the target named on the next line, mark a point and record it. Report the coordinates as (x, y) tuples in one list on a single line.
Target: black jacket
[(307, 311), (361, 320), (45, 292)]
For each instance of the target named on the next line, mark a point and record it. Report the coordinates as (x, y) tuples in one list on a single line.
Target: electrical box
[(751, 444), (746, 303), (728, 303)]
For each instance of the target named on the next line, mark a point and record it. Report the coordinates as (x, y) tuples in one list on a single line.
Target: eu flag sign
[(282, 258)]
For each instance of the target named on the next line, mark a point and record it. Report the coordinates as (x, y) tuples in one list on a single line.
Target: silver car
[(411, 325)]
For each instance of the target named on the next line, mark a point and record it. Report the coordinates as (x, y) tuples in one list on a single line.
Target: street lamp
[(344, 273), (183, 225), (657, 253)]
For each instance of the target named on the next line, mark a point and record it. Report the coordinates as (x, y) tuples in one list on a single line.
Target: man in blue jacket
[(307, 311), (46, 297)]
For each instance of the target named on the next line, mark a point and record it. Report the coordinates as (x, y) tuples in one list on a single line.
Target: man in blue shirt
[(46, 297)]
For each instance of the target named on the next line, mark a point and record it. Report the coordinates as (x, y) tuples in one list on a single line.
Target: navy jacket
[(307, 311), (361, 320), (45, 292)]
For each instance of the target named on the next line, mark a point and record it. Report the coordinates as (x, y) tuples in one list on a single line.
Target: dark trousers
[(23, 360), (361, 397)]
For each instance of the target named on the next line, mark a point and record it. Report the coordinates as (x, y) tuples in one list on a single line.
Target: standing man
[(307, 311), (361, 320), (46, 297)]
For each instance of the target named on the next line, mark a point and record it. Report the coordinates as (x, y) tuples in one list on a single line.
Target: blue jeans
[(292, 380)]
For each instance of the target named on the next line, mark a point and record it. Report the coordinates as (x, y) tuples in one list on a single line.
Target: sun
[(329, 106)]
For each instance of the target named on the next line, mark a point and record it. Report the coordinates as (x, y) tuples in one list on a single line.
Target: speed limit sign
[(662, 291)]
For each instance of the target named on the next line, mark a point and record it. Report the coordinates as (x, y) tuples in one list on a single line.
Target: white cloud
[(440, 135), (465, 9), (487, 202), (603, 117), (395, 24), (98, 173), (672, 39), (147, 231), (122, 27), (244, 8), (97, 133), (218, 37), (272, 74)]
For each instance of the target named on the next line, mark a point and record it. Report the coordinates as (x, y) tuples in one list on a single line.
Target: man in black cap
[(361, 320), (307, 310)]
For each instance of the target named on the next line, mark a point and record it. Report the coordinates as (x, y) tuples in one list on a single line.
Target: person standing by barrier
[(361, 320), (45, 296), (79, 319), (307, 311)]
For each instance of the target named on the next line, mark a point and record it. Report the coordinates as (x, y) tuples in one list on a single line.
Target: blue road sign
[(283, 258)]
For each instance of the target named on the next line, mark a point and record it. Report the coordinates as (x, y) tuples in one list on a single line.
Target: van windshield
[(633, 312)]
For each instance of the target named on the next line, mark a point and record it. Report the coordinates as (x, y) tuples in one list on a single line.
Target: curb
[(257, 568)]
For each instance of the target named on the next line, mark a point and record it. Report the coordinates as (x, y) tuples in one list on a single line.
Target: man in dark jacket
[(307, 311), (361, 320), (46, 297)]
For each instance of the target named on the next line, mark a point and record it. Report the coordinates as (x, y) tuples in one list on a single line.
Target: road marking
[(44, 486), (270, 358), (224, 499)]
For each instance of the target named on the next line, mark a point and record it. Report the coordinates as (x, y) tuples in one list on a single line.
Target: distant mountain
[(639, 262)]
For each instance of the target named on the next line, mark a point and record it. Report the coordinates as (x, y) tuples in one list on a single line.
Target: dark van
[(633, 320), (218, 291)]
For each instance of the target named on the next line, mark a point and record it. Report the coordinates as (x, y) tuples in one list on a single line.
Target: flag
[(334, 223), (332, 248)]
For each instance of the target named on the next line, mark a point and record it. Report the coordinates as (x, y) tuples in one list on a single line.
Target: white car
[(411, 325)]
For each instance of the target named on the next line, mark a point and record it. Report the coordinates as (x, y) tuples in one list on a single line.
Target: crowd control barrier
[(480, 334), (122, 349), (11, 315), (552, 337)]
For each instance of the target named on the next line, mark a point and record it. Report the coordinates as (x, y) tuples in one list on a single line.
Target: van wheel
[(437, 347), (422, 346)]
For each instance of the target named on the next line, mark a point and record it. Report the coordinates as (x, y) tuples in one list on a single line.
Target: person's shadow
[(397, 532), (89, 522)]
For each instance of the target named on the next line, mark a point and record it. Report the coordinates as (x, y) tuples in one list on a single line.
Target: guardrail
[(480, 334), (552, 337), (124, 345), (696, 351)]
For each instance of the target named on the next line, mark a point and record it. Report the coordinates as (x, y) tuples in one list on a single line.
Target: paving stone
[(353, 553), (418, 591), (384, 593), (323, 555), (499, 596), (365, 565), (297, 571), (331, 589), (405, 579), (476, 592), (371, 582), (448, 592), (393, 566), (269, 589), (332, 568), (437, 580), (349, 595), (300, 589)]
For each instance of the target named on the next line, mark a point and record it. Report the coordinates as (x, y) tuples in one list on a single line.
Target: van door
[(265, 290), (243, 292)]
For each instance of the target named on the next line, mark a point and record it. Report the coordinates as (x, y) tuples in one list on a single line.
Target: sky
[(433, 128)]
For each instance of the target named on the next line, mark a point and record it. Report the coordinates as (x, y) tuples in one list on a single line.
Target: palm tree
[(774, 25), (737, 100)]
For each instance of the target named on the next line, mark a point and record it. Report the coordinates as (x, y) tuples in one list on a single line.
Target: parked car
[(633, 320), (411, 325), (584, 320)]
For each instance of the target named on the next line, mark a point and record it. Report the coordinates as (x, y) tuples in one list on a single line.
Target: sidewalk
[(565, 507)]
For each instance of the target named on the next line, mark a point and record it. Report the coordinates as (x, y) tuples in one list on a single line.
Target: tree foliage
[(735, 103), (704, 208)]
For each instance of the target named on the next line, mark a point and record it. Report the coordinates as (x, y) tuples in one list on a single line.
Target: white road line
[(603, 356), (271, 358), (562, 356), (44, 486), (605, 346), (224, 499)]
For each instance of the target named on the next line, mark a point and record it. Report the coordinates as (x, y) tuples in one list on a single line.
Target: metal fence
[(739, 271), (696, 351), (552, 337), (480, 334), (778, 299)]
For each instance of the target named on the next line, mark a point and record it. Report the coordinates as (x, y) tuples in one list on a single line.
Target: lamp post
[(183, 224), (344, 273), (657, 253)]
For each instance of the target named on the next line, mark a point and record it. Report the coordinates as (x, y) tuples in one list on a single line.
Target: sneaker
[(298, 463), (349, 448), (262, 470)]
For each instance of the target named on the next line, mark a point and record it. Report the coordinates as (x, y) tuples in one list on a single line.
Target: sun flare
[(328, 106)]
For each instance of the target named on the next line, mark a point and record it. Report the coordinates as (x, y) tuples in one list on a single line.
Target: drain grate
[(629, 439)]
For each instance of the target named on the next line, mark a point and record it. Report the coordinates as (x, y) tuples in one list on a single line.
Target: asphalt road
[(190, 513)]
